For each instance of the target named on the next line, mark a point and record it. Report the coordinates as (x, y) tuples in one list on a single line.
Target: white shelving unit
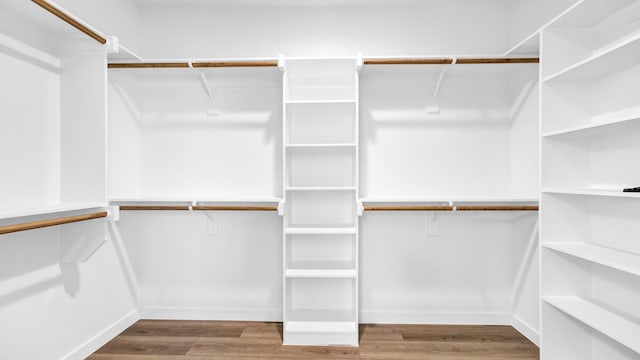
[(320, 201), (590, 274)]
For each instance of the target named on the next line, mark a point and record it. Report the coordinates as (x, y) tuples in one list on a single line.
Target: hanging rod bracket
[(113, 213), (434, 108), (113, 45), (212, 110), (359, 62), (281, 207), (281, 63)]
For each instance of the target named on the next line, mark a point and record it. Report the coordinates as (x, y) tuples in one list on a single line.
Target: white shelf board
[(598, 124), (454, 199), (336, 315), (321, 188), (623, 54), (591, 192), (320, 146), (321, 326), (615, 326), (529, 46), (615, 259), (191, 199), (311, 102), (585, 14), (50, 210), (320, 230), (321, 269)]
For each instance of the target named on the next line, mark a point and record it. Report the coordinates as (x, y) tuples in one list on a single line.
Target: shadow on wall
[(37, 261)]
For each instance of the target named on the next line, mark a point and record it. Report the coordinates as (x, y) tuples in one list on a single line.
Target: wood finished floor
[(200, 340)]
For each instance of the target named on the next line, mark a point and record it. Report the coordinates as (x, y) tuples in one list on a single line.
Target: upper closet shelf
[(200, 63), (449, 60), (587, 13), (59, 24), (49, 210), (202, 204), (592, 192), (619, 56), (452, 199), (449, 204)]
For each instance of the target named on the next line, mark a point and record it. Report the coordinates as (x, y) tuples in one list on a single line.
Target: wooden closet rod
[(497, 208), (71, 21), (207, 64), (451, 208), (153, 207), (408, 208), (198, 208), (445, 61), (51, 222), (236, 208)]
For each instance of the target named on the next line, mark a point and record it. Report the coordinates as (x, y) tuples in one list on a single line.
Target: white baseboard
[(95, 343), (428, 317), (188, 313), (525, 329)]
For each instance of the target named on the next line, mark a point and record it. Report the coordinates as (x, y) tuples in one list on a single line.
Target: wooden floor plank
[(186, 328), (461, 333), (225, 340), (267, 348), (148, 345)]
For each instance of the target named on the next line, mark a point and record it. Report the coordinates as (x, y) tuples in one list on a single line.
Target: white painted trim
[(96, 342), (436, 317), (195, 313), (525, 329)]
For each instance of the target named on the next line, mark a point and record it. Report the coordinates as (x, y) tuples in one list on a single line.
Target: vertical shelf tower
[(320, 201), (590, 255)]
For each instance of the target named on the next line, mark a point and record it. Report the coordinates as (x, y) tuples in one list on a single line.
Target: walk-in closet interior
[(323, 165)]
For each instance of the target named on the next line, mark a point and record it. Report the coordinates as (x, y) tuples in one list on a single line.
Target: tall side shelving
[(320, 140), (590, 254)]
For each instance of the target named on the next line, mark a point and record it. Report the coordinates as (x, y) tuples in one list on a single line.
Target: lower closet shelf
[(321, 333), (613, 325)]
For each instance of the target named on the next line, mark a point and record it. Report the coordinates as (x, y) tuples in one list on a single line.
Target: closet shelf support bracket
[(281, 63), (281, 207), (113, 45), (113, 213)]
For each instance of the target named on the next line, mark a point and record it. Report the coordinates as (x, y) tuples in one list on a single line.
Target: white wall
[(186, 272), (29, 127), (526, 293), (124, 145), (524, 141), (113, 17), (50, 310), (463, 274), (163, 142), (406, 151), (431, 27), (527, 17)]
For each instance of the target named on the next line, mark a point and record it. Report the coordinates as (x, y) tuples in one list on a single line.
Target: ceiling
[(289, 3)]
